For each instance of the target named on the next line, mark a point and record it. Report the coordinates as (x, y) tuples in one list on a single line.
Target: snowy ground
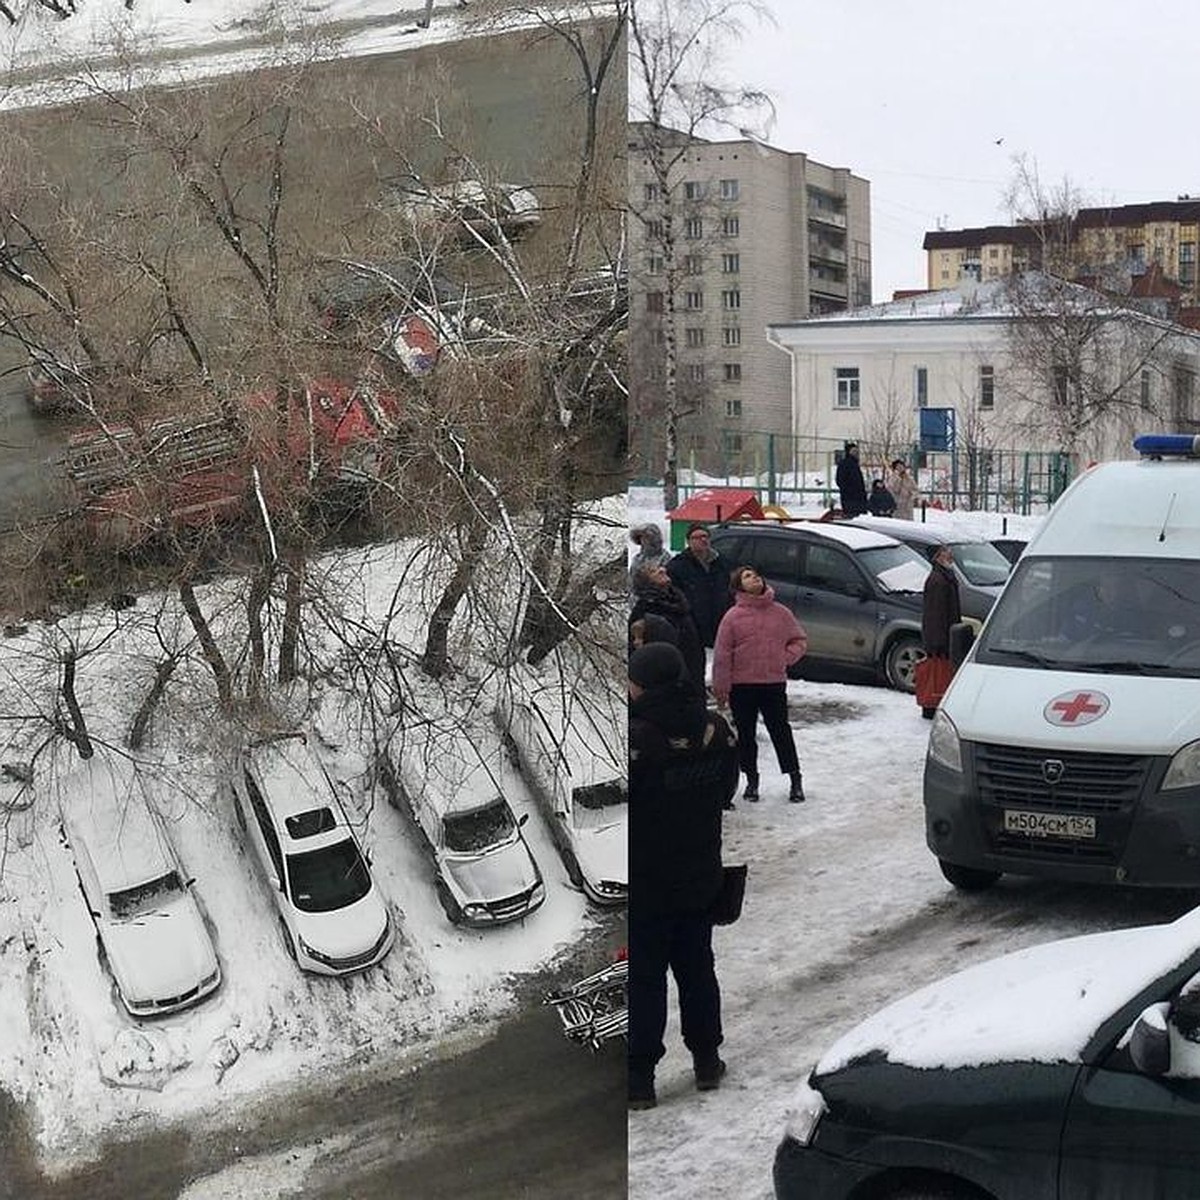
[(845, 911), (69, 1052), (176, 39)]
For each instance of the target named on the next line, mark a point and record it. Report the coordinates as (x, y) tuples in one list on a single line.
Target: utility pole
[(423, 22)]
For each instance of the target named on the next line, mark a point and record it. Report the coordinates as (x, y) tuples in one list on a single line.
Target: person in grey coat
[(651, 552)]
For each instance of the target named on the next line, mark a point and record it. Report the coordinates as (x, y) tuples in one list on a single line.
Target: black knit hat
[(656, 665)]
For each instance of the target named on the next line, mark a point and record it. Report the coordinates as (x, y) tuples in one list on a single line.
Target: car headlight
[(316, 955), (1184, 770), (805, 1114), (475, 910), (944, 746)]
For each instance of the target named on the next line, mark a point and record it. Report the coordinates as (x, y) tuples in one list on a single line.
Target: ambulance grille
[(1015, 777)]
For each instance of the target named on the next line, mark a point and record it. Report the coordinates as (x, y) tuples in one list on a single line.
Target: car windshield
[(480, 828), (329, 878), (1135, 616), (898, 568), (599, 805), (145, 898), (981, 563)]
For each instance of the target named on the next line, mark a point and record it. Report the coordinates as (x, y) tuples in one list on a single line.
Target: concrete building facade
[(757, 235)]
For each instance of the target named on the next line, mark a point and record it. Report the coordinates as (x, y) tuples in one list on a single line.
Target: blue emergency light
[(1158, 445)]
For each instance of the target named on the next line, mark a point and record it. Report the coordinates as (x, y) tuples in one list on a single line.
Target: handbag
[(727, 907)]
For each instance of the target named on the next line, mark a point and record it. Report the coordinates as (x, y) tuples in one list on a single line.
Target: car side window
[(264, 823), (830, 569), (776, 559)]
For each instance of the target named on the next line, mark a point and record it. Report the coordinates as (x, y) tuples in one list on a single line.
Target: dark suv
[(856, 592)]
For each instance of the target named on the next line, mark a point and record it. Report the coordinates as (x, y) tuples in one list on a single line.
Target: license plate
[(1043, 824)]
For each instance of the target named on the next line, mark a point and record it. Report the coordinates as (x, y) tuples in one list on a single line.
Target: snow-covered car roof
[(298, 791), (852, 536), (457, 768)]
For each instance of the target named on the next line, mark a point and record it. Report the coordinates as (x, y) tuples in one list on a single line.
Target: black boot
[(641, 1091), (751, 792), (708, 1069), (796, 795)]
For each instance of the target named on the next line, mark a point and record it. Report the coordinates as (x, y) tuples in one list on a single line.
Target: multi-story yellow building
[(1132, 238)]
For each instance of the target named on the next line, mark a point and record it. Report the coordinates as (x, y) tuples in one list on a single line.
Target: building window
[(693, 228), (729, 189), (846, 379), (731, 335), (693, 264), (730, 226), (731, 264), (654, 264), (993, 252), (654, 302), (733, 443), (650, 193), (921, 386), (1187, 263), (987, 387), (733, 372), (693, 301), (694, 337), (731, 299), (654, 230), (693, 190), (1146, 389), (1184, 388), (1061, 381), (695, 372), (733, 407)]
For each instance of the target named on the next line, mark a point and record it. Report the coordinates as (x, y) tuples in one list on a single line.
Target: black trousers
[(681, 943), (747, 701)]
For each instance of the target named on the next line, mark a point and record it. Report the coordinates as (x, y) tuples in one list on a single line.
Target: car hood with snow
[(603, 856), (1043, 1004), (162, 958), (496, 874), (345, 933)]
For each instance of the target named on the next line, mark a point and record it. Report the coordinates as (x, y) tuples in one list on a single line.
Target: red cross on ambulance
[(1076, 708)]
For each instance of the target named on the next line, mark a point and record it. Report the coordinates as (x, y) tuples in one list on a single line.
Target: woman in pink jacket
[(757, 640)]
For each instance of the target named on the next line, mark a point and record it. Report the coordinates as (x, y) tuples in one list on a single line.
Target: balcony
[(827, 252), (827, 216)]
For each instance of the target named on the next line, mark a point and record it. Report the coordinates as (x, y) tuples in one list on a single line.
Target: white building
[(1030, 364)]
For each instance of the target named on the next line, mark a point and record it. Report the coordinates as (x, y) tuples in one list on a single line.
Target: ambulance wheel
[(968, 879)]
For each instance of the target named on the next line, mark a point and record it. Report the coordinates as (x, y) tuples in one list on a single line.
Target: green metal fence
[(799, 472)]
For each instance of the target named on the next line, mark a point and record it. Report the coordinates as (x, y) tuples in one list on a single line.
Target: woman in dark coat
[(942, 607), (655, 595)]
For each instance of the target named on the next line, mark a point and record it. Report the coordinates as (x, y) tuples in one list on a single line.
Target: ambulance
[(1068, 744)]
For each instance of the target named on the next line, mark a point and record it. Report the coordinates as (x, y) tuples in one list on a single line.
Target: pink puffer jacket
[(757, 640)]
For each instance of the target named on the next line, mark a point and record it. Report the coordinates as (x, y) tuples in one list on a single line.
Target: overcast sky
[(913, 95)]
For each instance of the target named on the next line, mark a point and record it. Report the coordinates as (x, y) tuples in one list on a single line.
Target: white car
[(452, 781), (333, 919), (572, 749), (483, 207), (148, 921)]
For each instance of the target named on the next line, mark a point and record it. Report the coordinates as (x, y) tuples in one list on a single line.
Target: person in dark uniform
[(683, 771), (852, 488)]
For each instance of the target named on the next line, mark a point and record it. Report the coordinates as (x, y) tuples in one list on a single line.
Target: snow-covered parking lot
[(80, 1066)]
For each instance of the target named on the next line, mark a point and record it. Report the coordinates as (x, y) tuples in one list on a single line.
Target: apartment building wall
[(749, 259), (1132, 238)]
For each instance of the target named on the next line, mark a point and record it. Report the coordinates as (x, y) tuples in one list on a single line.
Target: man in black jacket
[(702, 575), (683, 770), (852, 488)]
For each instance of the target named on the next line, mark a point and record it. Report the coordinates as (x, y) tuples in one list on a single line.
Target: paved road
[(524, 1114)]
